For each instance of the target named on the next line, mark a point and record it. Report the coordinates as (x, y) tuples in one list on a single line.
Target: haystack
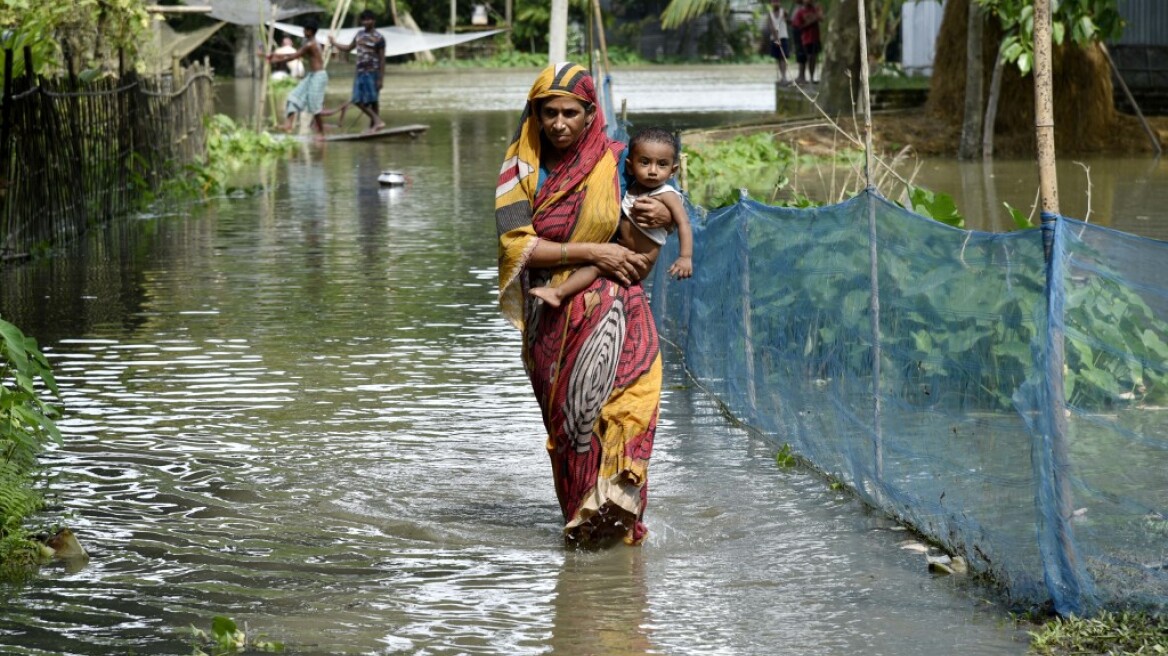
[(1085, 116)]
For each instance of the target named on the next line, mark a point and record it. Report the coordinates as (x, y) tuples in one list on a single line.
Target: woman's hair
[(656, 135), (368, 13)]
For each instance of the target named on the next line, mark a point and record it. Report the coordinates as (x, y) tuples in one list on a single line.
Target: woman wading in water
[(593, 362)]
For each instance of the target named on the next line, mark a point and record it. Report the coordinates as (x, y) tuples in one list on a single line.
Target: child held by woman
[(653, 159)]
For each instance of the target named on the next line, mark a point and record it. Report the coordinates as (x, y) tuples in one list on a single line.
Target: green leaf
[(1011, 52), (936, 205), (1021, 221), (1085, 30), (1025, 60), (221, 626)]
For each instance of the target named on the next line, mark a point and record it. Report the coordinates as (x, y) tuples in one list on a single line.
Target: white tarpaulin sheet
[(255, 12), (398, 40)]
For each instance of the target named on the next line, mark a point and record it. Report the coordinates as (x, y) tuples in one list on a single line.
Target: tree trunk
[(558, 32), (974, 72), (841, 64)]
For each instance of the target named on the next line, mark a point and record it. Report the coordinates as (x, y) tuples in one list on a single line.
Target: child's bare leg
[(576, 283)]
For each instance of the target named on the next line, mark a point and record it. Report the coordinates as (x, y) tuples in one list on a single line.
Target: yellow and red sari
[(593, 362)]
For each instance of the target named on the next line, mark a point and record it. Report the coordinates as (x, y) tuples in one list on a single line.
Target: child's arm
[(683, 266)]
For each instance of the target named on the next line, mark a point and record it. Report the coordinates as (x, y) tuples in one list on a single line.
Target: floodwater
[(300, 409)]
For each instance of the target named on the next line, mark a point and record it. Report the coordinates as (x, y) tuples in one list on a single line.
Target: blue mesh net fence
[(934, 372)]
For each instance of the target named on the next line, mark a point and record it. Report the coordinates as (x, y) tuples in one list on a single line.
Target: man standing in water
[(308, 96), (370, 47)]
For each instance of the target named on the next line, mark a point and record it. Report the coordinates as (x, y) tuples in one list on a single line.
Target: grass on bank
[(1114, 634)]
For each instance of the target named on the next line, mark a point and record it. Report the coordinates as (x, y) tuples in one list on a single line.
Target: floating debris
[(913, 545)]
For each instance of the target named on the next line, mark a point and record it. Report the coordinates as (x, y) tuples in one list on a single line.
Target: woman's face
[(563, 119)]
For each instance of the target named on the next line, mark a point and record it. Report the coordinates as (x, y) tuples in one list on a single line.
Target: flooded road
[(301, 409)]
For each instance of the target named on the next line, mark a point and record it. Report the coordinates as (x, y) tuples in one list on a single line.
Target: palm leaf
[(680, 12)]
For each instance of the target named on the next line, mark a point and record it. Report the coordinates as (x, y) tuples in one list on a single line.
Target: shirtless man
[(308, 96)]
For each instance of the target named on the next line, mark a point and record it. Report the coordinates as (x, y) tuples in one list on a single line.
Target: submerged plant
[(226, 638), (230, 149)]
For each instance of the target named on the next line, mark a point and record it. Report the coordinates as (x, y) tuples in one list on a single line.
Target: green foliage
[(680, 12), (1105, 312), (740, 37), (93, 30), (26, 427), (936, 205), (1021, 221), (717, 170), (230, 149), (786, 458), (1085, 21), (1115, 634), (531, 19), (26, 419), (227, 638)]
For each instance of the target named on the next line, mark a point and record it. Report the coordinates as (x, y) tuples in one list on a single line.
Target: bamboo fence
[(75, 154)]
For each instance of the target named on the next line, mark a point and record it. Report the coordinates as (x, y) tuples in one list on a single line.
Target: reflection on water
[(1125, 194), (302, 410)]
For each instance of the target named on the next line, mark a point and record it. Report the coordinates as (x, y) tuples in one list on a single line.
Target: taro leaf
[(936, 205)]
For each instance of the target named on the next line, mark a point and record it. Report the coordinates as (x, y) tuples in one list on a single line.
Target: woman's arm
[(613, 260)]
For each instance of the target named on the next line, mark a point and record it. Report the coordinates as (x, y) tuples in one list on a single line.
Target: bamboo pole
[(865, 93), (337, 21), (600, 34), (873, 251), (265, 74), (1044, 111), (1065, 575)]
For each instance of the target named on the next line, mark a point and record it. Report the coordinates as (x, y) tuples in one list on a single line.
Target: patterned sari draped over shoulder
[(593, 362)]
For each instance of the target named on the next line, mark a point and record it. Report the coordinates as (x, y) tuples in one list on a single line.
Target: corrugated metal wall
[(1147, 22)]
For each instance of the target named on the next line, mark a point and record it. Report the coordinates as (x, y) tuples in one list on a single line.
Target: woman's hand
[(618, 263), (649, 212)]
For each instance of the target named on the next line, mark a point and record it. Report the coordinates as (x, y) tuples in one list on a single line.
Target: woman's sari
[(593, 362)]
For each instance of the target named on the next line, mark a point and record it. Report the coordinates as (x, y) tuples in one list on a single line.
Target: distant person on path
[(308, 96), (777, 34), (653, 159), (807, 19), (370, 47), (593, 362)]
